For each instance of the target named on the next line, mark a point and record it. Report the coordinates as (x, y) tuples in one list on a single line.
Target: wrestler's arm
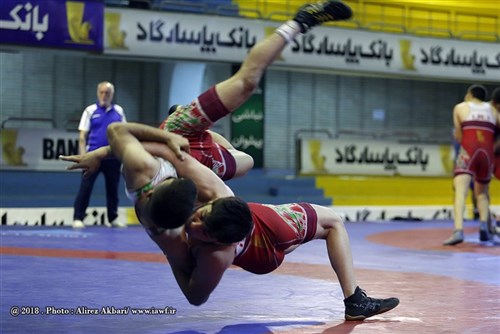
[(497, 117), (145, 133), (139, 166), (457, 123), (209, 185), (175, 249), (90, 161), (211, 263), (496, 142)]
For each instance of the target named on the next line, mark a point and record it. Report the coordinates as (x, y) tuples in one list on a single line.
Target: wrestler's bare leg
[(461, 185), (331, 228), (234, 91), (482, 198), (358, 306), (481, 191), (237, 89)]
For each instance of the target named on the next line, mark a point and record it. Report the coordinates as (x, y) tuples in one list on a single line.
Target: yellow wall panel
[(476, 20), (380, 190)]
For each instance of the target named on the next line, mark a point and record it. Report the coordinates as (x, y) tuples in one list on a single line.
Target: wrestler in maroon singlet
[(476, 152), (276, 228), (192, 122)]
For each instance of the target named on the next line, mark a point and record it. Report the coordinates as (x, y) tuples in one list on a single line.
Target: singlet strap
[(134, 195), (147, 187)]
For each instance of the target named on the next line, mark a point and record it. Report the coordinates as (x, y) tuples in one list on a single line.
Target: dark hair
[(478, 91), (173, 109), (495, 96), (172, 204), (229, 221)]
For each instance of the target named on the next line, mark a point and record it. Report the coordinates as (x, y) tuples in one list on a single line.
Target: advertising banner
[(176, 35), (53, 23), (186, 36), (247, 125), (247, 128), (36, 149), (349, 157)]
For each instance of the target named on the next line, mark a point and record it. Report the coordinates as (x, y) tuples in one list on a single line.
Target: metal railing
[(431, 21)]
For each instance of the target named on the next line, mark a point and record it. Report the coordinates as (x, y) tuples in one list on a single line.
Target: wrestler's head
[(495, 99), (476, 91), (225, 220), (172, 203)]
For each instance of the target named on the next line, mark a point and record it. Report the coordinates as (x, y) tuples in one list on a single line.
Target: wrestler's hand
[(178, 144), (89, 162)]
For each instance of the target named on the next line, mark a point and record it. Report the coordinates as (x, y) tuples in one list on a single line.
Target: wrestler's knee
[(244, 162), (329, 221), (336, 217), (338, 222)]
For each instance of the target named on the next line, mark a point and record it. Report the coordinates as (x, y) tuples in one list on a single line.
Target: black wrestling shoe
[(456, 238), (311, 15), (492, 224), (475, 215), (484, 233), (359, 306)]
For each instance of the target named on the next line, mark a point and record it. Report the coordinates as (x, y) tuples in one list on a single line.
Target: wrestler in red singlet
[(276, 228), (476, 151), (192, 122), (496, 155)]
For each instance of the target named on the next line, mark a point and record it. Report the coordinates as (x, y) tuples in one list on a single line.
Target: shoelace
[(323, 17), (317, 11), (370, 303)]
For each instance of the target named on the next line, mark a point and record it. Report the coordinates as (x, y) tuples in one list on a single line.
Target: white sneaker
[(117, 223), (78, 224)]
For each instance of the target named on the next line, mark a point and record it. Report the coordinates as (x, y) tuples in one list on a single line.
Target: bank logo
[(79, 30), (115, 37), (407, 58)]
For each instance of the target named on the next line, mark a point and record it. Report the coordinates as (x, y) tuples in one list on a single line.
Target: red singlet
[(276, 228), (192, 122), (476, 151)]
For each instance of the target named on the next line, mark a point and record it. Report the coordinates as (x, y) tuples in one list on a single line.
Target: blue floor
[(243, 303)]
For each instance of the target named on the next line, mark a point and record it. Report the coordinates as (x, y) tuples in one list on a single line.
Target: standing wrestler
[(475, 121), (192, 121), (495, 103)]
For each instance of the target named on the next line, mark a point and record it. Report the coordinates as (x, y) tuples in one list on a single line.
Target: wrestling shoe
[(359, 306), (492, 224), (314, 14), (456, 238), (118, 224), (484, 234), (78, 224)]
